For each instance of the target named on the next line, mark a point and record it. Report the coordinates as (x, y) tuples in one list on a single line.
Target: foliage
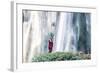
[(59, 56)]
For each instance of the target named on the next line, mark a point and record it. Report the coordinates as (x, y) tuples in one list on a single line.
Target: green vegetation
[(59, 56)]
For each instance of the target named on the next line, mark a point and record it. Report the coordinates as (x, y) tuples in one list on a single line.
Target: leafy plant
[(59, 56)]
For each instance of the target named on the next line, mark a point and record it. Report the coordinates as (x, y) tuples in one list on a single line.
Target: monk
[(50, 45)]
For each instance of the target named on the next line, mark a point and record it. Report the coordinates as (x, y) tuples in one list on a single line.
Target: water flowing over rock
[(70, 32)]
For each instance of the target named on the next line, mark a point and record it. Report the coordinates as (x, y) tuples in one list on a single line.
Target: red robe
[(50, 46)]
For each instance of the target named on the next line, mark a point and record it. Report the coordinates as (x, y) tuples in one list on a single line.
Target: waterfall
[(47, 23), (73, 34), (61, 23), (66, 37), (36, 35), (70, 30), (69, 34), (32, 37), (27, 30)]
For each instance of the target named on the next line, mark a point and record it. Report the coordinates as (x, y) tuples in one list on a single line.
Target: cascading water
[(70, 36), (66, 37), (70, 30)]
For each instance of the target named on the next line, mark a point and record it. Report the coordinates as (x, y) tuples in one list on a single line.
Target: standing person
[(50, 45)]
